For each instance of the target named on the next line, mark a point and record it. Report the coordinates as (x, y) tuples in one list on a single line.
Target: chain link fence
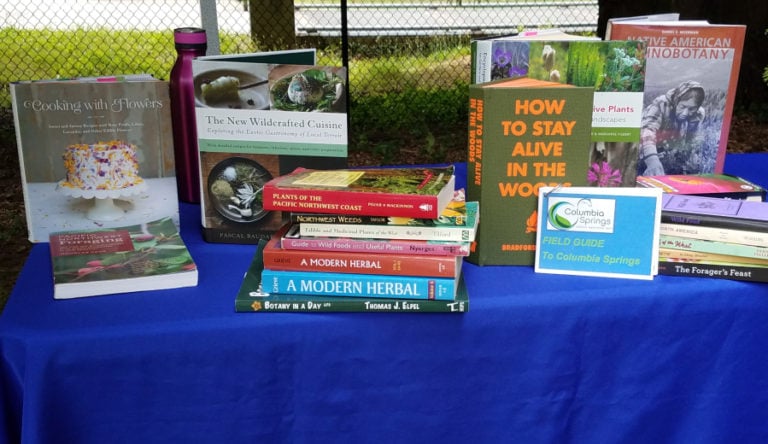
[(399, 52)]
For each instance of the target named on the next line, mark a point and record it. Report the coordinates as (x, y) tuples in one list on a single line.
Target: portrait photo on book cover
[(683, 116)]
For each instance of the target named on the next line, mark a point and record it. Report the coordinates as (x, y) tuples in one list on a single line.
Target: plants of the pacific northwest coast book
[(616, 71), (251, 298), (260, 116), (94, 152), (692, 68), (419, 192), (408, 264), (146, 256), (523, 134)]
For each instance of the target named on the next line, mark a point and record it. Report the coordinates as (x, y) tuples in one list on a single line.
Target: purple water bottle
[(190, 43)]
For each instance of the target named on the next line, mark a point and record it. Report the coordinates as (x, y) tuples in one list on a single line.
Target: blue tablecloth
[(538, 358)]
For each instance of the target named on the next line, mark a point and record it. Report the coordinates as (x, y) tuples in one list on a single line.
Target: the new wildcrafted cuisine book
[(277, 258), (692, 68), (419, 192), (94, 152), (524, 134), (616, 71), (252, 298), (147, 256), (260, 116)]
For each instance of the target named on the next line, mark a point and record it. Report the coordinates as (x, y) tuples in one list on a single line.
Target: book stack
[(712, 237), (371, 240)]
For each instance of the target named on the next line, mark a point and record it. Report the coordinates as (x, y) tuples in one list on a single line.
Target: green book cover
[(252, 299), (523, 134)]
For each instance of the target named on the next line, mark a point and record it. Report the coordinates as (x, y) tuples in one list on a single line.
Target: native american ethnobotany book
[(260, 116), (94, 152), (616, 69), (418, 192), (147, 256), (524, 134), (252, 298), (683, 56)]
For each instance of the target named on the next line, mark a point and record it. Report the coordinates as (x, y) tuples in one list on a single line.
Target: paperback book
[(251, 298), (419, 192), (616, 71), (147, 256), (724, 186), (752, 273), (692, 68), (756, 238), (277, 258), (94, 152), (260, 116), (714, 212), (717, 247), (524, 134), (294, 241), (458, 223)]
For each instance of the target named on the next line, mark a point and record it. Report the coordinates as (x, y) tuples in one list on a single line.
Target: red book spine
[(276, 258)]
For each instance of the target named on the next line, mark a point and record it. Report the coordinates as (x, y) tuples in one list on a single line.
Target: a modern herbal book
[(616, 71), (251, 298), (523, 134), (692, 68), (412, 191), (94, 152), (261, 116), (146, 256), (408, 264)]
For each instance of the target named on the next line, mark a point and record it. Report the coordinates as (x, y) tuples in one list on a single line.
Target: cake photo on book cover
[(146, 256), (94, 152)]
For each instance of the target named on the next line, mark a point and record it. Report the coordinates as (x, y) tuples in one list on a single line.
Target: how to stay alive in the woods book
[(692, 69), (252, 298), (146, 256), (418, 192), (94, 152), (524, 134), (261, 116), (616, 71), (408, 264)]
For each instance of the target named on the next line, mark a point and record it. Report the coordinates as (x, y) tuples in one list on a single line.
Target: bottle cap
[(189, 36)]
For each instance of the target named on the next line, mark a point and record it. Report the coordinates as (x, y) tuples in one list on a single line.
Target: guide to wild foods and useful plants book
[(92, 144), (261, 116)]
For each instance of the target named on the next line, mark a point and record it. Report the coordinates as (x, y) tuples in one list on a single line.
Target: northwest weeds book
[(147, 256), (94, 152), (260, 116), (524, 134)]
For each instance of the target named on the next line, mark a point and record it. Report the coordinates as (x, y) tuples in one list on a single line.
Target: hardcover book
[(524, 134), (251, 298), (714, 212), (616, 71), (147, 256), (94, 152), (457, 223), (277, 258), (294, 241), (692, 68), (419, 192), (260, 116), (724, 186), (358, 285)]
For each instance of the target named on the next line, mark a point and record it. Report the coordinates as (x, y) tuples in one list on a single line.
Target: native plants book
[(252, 298), (692, 68), (524, 134), (260, 116), (94, 152), (411, 191), (146, 256), (616, 71)]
